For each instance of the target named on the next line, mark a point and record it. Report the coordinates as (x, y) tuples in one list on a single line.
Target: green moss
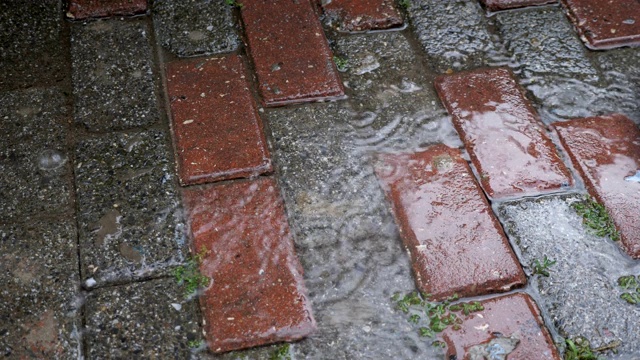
[(436, 316), (596, 218), (579, 348), (283, 352), (189, 276), (632, 284)]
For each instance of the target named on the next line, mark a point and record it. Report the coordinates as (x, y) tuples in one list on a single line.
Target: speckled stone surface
[(257, 295), (112, 75), (290, 53), (128, 213), (468, 44), (502, 132), (82, 9), (39, 307), (32, 47), (606, 24), (195, 27), (143, 320), (35, 174), (606, 152), (469, 257), (218, 134), (357, 15), (513, 316)]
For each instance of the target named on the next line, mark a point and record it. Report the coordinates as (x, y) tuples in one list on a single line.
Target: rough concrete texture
[(557, 69), (621, 71), (581, 295), (32, 47), (112, 75), (392, 102), (35, 175), (146, 320), (195, 27), (39, 309), (129, 221), (345, 238), (454, 33)]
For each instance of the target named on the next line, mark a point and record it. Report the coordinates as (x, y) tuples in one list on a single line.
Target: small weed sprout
[(282, 353), (194, 344), (632, 284), (596, 218), (405, 3), (341, 63), (542, 268), (579, 348), (439, 316), (233, 3), (189, 276)]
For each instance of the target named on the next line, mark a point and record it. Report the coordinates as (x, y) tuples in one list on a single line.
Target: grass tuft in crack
[(579, 348), (341, 63), (189, 275), (596, 218), (433, 317), (542, 268)]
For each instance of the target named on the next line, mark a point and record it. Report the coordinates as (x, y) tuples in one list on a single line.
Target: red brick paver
[(82, 9), (606, 150), (513, 316), (218, 133), (606, 24), (290, 52), (495, 5), (468, 256), (257, 294), (359, 15), (507, 142)]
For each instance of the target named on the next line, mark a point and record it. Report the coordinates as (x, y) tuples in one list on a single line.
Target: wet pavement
[(97, 230)]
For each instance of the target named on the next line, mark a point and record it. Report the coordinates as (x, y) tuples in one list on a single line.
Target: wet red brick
[(290, 52), (469, 256), (605, 150), (513, 316), (82, 9), (495, 5), (503, 134), (361, 15), (218, 133), (257, 295), (606, 24)]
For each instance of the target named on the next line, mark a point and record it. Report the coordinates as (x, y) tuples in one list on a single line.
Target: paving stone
[(495, 5), (146, 320), (128, 216), (580, 296), (218, 133), (355, 15), (514, 318), (34, 163), (542, 44), (112, 75), (605, 25), (606, 152), (471, 257), (82, 9), (31, 44), (257, 295), (506, 141), (620, 69), (38, 307), (392, 103), (345, 236), (195, 27), (291, 56), (468, 44)]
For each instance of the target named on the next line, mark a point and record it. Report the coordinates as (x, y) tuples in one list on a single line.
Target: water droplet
[(51, 159)]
